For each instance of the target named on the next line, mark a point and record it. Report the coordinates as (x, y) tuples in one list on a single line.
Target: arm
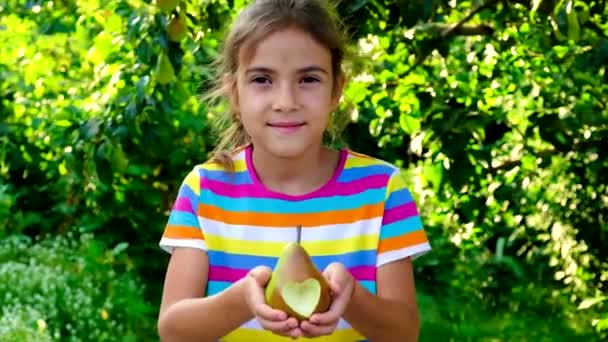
[(185, 314), (392, 315)]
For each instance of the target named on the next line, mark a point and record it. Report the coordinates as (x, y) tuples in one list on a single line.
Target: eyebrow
[(266, 70)]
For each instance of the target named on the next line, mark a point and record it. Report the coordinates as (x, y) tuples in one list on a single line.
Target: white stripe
[(169, 244), (413, 251), (282, 234), (254, 324), (239, 156)]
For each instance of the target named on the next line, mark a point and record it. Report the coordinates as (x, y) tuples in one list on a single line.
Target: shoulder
[(368, 164), (221, 164), (364, 165)]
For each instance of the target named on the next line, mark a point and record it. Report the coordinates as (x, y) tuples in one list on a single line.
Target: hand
[(342, 285), (273, 320)]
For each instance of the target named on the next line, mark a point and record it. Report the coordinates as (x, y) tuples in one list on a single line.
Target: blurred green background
[(496, 110)]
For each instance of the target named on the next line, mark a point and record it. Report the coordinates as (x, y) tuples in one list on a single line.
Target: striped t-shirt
[(364, 217)]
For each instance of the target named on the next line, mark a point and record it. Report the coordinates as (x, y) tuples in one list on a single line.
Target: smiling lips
[(287, 126)]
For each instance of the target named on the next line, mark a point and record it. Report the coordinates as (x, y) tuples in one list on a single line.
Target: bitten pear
[(296, 286)]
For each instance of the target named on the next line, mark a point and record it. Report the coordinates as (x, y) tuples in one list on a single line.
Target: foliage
[(71, 290), (495, 109)]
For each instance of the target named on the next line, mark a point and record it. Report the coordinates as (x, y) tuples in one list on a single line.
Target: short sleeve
[(183, 228), (402, 234)]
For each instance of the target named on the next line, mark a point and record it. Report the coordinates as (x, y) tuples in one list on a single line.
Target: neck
[(295, 176)]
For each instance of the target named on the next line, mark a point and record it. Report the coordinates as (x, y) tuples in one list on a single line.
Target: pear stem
[(299, 230)]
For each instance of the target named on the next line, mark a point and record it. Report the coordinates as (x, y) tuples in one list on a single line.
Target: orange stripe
[(183, 232), (290, 220), (402, 241)]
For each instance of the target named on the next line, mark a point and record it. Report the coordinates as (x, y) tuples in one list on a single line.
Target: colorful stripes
[(254, 191), (313, 205), (279, 219), (363, 218)]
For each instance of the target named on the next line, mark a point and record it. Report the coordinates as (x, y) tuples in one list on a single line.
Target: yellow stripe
[(193, 181), (248, 335), (264, 248), (395, 183), (359, 161), (239, 165)]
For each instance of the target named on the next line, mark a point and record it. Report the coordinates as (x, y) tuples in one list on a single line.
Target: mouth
[(286, 127), (285, 124)]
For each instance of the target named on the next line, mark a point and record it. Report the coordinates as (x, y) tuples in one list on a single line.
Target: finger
[(295, 333), (334, 313), (335, 288), (313, 330), (267, 313), (257, 301), (285, 327), (261, 274)]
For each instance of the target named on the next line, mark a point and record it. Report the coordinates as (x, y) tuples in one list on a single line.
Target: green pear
[(164, 69), (296, 286)]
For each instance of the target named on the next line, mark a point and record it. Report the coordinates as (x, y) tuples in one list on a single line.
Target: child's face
[(285, 93)]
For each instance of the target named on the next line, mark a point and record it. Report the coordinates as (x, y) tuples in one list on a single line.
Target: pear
[(296, 286), (167, 5), (176, 29), (164, 69)]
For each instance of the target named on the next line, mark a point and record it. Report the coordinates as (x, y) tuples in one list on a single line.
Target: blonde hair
[(260, 18)]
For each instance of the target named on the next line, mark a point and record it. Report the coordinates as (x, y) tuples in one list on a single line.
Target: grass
[(460, 320)]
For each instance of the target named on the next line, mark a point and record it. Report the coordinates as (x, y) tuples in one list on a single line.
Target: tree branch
[(452, 30), (577, 147), (449, 32), (464, 30)]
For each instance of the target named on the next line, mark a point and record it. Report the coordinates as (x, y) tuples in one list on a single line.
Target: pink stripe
[(183, 204), (335, 189), (399, 213), (219, 273), (363, 272)]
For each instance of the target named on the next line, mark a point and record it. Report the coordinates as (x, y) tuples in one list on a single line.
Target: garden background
[(496, 110)]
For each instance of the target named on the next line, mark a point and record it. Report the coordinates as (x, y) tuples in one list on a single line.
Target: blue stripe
[(242, 261), (397, 198), (236, 178), (354, 259), (185, 191), (183, 218), (370, 285), (314, 205), (355, 173), (397, 228), (215, 287)]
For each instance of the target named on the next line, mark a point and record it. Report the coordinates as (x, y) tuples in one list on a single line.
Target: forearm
[(205, 319), (382, 320)]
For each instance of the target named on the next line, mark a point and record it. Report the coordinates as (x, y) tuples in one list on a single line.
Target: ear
[(229, 83), (337, 91)]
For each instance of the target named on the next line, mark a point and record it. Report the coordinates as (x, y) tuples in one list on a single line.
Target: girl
[(282, 74)]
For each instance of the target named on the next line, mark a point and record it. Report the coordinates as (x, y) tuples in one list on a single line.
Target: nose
[(286, 98)]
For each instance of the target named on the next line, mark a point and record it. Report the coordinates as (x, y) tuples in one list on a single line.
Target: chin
[(287, 150)]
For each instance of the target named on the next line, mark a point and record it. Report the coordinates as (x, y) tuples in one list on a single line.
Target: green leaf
[(574, 29), (356, 5), (63, 123), (589, 302), (500, 246), (601, 324), (118, 158), (120, 247), (409, 123)]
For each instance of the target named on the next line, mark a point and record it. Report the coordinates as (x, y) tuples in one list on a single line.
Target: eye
[(310, 79), (260, 80)]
